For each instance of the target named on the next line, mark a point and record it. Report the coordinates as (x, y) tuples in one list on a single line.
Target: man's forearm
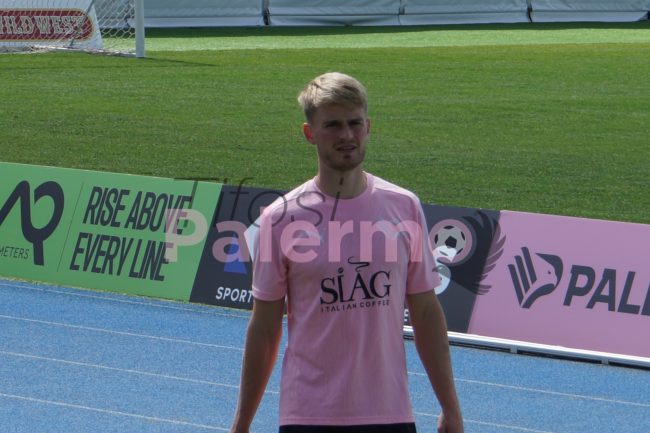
[(433, 349), (260, 353), (432, 344)]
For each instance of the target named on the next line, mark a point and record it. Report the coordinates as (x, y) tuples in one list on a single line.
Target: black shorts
[(376, 428)]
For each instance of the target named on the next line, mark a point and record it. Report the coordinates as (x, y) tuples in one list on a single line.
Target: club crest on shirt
[(354, 288)]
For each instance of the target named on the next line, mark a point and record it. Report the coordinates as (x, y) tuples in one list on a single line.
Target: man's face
[(340, 134)]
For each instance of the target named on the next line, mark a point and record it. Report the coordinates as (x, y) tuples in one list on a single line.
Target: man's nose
[(346, 132)]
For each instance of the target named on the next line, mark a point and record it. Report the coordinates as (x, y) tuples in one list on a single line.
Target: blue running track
[(83, 361)]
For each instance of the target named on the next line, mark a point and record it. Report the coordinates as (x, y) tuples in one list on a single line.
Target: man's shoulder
[(393, 191), (297, 197)]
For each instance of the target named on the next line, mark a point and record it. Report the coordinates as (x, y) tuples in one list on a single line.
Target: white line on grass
[(128, 334), (123, 370), (543, 391), (491, 424), (112, 412)]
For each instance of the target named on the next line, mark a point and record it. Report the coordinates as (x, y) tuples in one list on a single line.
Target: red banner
[(36, 25)]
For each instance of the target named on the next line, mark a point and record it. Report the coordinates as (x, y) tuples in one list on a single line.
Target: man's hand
[(451, 424)]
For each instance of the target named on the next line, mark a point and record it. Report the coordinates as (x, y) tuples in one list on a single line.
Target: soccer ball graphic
[(452, 241), (452, 238)]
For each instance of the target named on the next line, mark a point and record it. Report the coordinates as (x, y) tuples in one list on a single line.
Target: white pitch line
[(112, 412), (125, 301), (120, 370), (128, 334), (123, 370), (543, 391), (206, 310), (491, 424)]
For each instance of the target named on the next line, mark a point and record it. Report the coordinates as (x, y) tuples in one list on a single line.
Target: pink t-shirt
[(345, 267)]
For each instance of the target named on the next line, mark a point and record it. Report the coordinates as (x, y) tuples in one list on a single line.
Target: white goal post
[(104, 26)]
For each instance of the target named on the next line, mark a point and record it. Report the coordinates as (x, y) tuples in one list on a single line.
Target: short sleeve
[(269, 266), (422, 273)]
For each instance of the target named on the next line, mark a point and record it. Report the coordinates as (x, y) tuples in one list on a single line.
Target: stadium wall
[(589, 10), (204, 13), (221, 13), (543, 281)]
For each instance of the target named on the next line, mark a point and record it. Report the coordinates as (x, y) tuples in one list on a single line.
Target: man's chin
[(345, 164), (345, 167)]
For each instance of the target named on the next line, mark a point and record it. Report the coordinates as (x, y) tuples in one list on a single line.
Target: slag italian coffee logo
[(355, 288)]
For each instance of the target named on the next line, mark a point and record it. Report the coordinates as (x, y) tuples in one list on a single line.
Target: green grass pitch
[(543, 118)]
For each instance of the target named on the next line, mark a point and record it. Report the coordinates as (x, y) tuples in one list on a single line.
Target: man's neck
[(344, 185)]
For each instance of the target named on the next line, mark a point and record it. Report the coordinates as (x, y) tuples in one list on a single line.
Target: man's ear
[(307, 132), (368, 122)]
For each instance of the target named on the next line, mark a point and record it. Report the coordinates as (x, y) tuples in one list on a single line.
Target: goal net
[(107, 26)]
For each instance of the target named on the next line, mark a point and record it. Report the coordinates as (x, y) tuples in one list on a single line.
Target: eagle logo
[(466, 249)]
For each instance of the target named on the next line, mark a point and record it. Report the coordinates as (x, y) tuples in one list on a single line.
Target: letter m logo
[(36, 236)]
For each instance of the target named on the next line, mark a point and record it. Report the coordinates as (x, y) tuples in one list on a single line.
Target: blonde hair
[(332, 88)]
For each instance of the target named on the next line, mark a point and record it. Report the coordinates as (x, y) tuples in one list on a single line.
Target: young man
[(346, 251)]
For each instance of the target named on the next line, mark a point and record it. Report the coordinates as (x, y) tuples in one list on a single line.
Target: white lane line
[(206, 309), (111, 412), (123, 370), (543, 391), (135, 301), (502, 426), (123, 333)]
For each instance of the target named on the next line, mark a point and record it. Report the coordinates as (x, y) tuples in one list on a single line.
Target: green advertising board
[(106, 231)]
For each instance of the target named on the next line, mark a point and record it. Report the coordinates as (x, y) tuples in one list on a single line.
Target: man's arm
[(260, 352), (430, 334)]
